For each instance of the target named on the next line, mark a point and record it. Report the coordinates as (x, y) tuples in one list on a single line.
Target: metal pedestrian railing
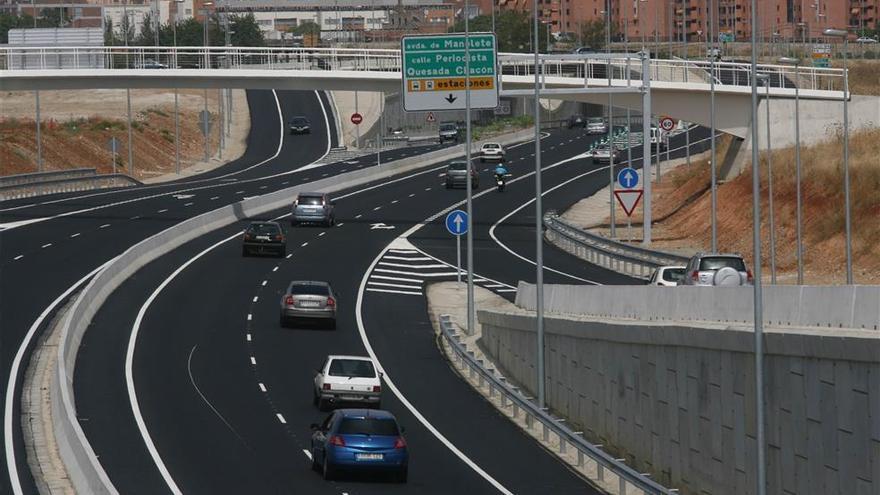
[(628, 478), (624, 258), (623, 68)]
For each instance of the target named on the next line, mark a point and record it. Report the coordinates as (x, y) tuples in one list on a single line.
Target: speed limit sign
[(667, 124)]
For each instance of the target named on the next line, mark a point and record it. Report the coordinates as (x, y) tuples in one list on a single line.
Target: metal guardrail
[(627, 476), (624, 68), (33, 177), (630, 260), (73, 184)]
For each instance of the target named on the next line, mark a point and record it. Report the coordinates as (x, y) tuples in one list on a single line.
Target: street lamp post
[(765, 78), (797, 168), (539, 257), (841, 33), (713, 159), (608, 69)]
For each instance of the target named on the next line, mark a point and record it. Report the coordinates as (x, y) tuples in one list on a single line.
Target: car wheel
[(402, 475), (328, 469)]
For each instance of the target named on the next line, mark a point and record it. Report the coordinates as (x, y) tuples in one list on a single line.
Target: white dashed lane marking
[(163, 210), (74, 235), (104, 226), (256, 298), (46, 245), (253, 360), (265, 282), (249, 338), (262, 387), (281, 418), (215, 198), (188, 204), (20, 256)]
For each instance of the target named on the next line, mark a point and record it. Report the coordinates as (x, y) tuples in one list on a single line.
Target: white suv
[(717, 269), (347, 379)]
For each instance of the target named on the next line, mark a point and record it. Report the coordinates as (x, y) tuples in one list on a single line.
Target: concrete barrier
[(677, 400), (84, 469), (853, 307)]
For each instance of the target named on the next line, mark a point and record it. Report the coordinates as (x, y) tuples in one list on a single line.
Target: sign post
[(113, 144), (628, 196), (822, 55), (434, 72), (457, 225)]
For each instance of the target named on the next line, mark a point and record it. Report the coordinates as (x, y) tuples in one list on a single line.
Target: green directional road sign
[(434, 72)]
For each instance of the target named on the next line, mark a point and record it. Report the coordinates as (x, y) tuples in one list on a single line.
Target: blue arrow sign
[(628, 178), (457, 222)]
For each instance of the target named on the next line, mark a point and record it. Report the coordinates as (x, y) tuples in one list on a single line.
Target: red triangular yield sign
[(628, 199)]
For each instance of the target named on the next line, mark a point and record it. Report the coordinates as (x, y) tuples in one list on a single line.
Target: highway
[(221, 392), (49, 244)]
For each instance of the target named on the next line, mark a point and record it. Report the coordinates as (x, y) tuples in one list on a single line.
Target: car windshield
[(447, 127), (595, 120), (300, 121), (264, 229), (368, 426), (355, 368), (719, 262), (310, 200), (458, 166), (602, 147), (577, 117), (673, 274), (310, 289)]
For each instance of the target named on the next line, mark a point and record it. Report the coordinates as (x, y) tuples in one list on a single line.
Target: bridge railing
[(624, 68)]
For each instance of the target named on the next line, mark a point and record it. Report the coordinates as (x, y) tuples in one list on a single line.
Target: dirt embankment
[(684, 199), (77, 127)]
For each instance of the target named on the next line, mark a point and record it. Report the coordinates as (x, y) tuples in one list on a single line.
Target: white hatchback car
[(347, 379), (492, 151), (668, 276)]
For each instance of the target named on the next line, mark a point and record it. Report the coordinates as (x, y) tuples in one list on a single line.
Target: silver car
[(710, 269), (313, 208), (308, 300), (596, 125), (667, 276), (456, 175), (603, 153)]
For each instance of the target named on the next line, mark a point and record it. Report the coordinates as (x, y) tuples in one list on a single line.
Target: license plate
[(262, 238), (351, 397), (368, 457), (309, 304)]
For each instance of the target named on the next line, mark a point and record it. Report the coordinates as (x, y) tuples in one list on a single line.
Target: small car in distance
[(152, 64), (448, 132), (667, 276), (596, 125), (362, 440), (604, 152), (299, 125), (491, 151), (347, 379), (313, 207), (264, 237), (577, 120), (457, 175), (708, 269), (308, 299)]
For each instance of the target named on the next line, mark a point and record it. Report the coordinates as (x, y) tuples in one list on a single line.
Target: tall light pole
[(539, 244), (713, 160), (760, 478), (468, 182), (841, 33), (797, 168), (765, 78), (608, 69)]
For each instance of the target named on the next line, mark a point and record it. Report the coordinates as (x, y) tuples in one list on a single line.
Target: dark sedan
[(264, 237), (299, 125)]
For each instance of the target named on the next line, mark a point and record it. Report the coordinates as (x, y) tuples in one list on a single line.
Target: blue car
[(362, 440)]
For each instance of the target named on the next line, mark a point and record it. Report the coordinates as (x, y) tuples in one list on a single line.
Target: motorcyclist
[(501, 171)]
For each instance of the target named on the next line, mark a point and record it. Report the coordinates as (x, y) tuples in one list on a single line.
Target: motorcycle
[(500, 182)]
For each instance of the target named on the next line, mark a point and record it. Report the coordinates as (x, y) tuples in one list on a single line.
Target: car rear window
[(310, 289), (300, 121), (491, 146), (368, 426), (447, 127), (719, 262), (355, 368), (264, 228), (596, 120), (457, 166), (673, 274), (310, 200)]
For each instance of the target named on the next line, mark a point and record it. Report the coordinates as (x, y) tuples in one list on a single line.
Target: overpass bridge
[(680, 88)]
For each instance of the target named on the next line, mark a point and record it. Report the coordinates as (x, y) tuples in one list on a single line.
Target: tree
[(9, 21), (50, 18), (147, 36), (306, 27), (594, 34), (513, 30), (246, 31)]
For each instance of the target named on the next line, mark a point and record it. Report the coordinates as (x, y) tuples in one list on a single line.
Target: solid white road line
[(390, 291), (9, 399), (416, 274), (391, 386), (399, 279), (404, 258), (399, 286), (404, 265)]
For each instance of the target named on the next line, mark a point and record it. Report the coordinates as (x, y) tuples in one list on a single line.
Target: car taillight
[(338, 441), (749, 276), (400, 443), (377, 388), (248, 237), (695, 275), (279, 237), (331, 302), (326, 386), (289, 300)]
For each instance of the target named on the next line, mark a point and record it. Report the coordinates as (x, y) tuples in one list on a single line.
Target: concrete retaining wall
[(82, 464), (852, 306), (677, 401)]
